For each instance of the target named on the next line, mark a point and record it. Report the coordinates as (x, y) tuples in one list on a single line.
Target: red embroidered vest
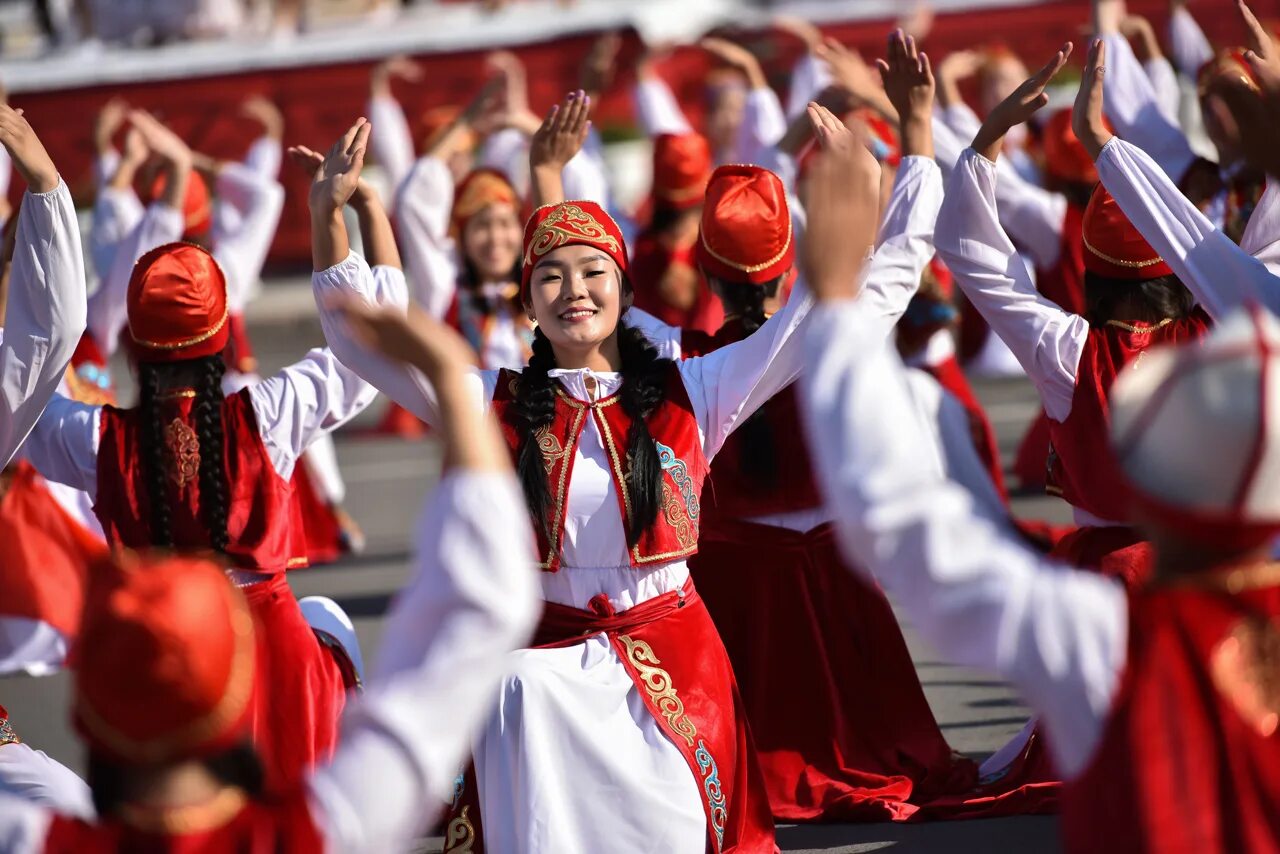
[(283, 827), (1189, 759), (674, 535), (735, 492), (266, 532), (1064, 281), (1081, 467)]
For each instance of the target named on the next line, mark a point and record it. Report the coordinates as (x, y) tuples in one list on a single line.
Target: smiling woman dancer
[(621, 730)]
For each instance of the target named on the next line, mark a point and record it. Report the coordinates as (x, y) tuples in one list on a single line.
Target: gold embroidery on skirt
[(461, 834), (1246, 669), (658, 683), (182, 448)]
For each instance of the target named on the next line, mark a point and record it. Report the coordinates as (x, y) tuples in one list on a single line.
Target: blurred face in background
[(492, 240), (1000, 75), (726, 103)]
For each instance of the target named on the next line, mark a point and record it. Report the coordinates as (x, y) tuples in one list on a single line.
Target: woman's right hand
[(338, 175)]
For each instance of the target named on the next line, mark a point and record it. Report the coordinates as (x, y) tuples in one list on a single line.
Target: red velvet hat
[(165, 660), (177, 304), (1064, 155), (1112, 245), (197, 207), (746, 226), (474, 193), (1228, 65), (570, 223), (681, 167)]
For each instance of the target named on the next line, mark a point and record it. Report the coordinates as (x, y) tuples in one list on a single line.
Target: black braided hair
[(1150, 301), (207, 415), (642, 391), (153, 467), (757, 458)]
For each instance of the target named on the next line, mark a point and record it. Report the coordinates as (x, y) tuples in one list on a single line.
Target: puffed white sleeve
[(421, 213), (1059, 634), (1188, 45), (241, 252), (1030, 214), (586, 176), (657, 109), (1046, 340), (1261, 237), (115, 213), (904, 244), (38, 778), (24, 826), (763, 124), (473, 599), (726, 385), (391, 142), (160, 224), (63, 446), (663, 336), (352, 277), (309, 398), (45, 315), (1220, 274), (962, 120), (1134, 109), (265, 155), (947, 145), (1164, 81), (809, 76)]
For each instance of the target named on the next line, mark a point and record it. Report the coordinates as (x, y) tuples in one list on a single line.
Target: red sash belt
[(563, 625)]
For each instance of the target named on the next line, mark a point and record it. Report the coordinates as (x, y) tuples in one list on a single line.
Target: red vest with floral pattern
[(264, 523), (674, 535)]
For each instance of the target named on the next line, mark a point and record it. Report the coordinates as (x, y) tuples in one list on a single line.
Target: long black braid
[(757, 458), (153, 466), (207, 415), (642, 391)]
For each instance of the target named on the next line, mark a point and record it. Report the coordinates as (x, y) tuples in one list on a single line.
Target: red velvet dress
[(300, 689), (668, 644), (1081, 467), (1189, 759), (842, 725), (279, 827)]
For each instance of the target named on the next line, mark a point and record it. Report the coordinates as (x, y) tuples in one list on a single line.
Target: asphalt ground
[(387, 480)]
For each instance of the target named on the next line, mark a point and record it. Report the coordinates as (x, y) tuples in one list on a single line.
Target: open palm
[(337, 177)]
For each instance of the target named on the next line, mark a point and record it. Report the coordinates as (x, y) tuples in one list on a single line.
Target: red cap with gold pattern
[(197, 207), (165, 660), (746, 226), (1064, 155), (1227, 66), (681, 167), (481, 188), (1112, 245), (177, 304), (570, 223)]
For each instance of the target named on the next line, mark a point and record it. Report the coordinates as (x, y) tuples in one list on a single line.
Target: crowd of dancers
[(688, 453)]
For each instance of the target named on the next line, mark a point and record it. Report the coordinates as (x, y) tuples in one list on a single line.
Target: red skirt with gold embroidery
[(673, 654)]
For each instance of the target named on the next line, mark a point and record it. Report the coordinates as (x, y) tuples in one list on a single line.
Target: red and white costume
[(1153, 701), (267, 426), (633, 700), (471, 600)]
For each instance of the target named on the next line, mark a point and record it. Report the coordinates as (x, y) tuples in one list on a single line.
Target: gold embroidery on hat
[(182, 452), (749, 268), (1246, 670), (568, 222), (1120, 262), (1129, 327)]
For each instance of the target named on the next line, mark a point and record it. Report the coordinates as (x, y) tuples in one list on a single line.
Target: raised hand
[(841, 194), (1260, 42), (397, 67), (561, 135), (799, 27), (110, 119), (309, 161), (600, 64), (853, 74), (1086, 118), (264, 111), (956, 66), (337, 177), (1021, 105), (1249, 112), (29, 157), (1139, 31), (908, 81), (162, 142), (736, 56)]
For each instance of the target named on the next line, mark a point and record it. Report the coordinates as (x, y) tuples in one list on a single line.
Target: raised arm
[(242, 251), (1187, 42), (393, 146), (117, 209), (557, 141), (266, 153), (45, 312), (763, 122), (657, 110), (473, 599), (1220, 274), (841, 193), (1058, 634)]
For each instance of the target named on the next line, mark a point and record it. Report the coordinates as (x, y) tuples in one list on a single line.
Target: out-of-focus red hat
[(746, 226), (177, 304), (1113, 246), (165, 660), (1064, 154), (197, 206), (1228, 65), (481, 188), (681, 167), (570, 223)]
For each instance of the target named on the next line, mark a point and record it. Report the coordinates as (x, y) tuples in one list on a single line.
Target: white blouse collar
[(575, 382)]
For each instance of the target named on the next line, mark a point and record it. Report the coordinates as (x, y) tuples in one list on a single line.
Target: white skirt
[(571, 759)]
